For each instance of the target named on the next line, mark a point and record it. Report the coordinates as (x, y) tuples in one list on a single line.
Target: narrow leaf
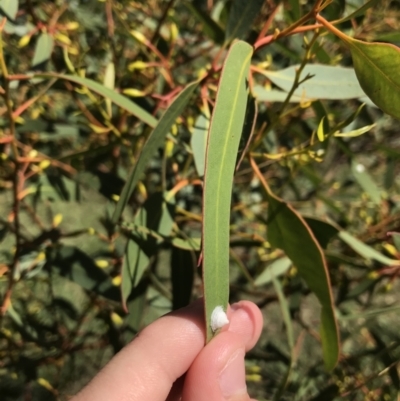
[(119, 100), (211, 28), (366, 182), (320, 130), (109, 82), (287, 230), (155, 140), (223, 142), (43, 49), (241, 18), (365, 250), (326, 82), (134, 265), (275, 269), (199, 141), (360, 11), (356, 132)]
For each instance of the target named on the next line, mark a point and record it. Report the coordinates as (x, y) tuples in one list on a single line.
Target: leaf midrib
[(225, 149)]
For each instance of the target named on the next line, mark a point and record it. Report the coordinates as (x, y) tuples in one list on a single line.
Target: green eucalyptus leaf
[(359, 12), (43, 49), (10, 8), (376, 66), (241, 17), (211, 28), (366, 182), (222, 146), (365, 250), (325, 82), (322, 230), (134, 265), (119, 100), (275, 269), (288, 231), (199, 141), (155, 140)]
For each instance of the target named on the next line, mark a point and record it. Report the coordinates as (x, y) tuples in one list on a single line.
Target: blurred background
[(68, 296)]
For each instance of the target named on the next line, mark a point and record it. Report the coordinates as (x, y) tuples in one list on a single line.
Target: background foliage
[(69, 275)]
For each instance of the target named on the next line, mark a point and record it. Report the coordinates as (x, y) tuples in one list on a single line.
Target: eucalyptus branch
[(17, 175)]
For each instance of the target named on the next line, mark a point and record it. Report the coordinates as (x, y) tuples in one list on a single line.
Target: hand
[(167, 361)]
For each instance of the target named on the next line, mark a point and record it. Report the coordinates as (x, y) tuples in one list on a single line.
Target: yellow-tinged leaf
[(117, 320), (99, 130), (133, 92), (373, 275), (390, 249), (320, 130), (62, 38), (174, 32), (44, 164), (255, 378), (142, 189), (169, 148), (44, 383), (32, 153), (354, 133), (67, 61), (73, 50), (137, 65), (57, 219), (101, 263), (138, 36), (71, 26), (24, 41)]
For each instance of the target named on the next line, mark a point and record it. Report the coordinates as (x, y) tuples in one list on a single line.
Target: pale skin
[(168, 360)]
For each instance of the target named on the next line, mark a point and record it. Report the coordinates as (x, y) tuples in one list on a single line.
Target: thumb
[(218, 372)]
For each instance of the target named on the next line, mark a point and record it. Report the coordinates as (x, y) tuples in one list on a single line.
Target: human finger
[(147, 367), (218, 372)]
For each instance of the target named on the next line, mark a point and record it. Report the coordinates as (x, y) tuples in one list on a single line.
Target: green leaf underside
[(223, 142), (155, 140), (377, 69), (119, 100), (273, 270), (10, 8), (241, 17), (288, 231), (366, 182), (326, 82), (365, 250), (360, 11), (43, 49), (134, 265), (154, 217), (199, 141), (211, 28)]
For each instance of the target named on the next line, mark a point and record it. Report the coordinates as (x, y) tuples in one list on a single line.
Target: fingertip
[(246, 320)]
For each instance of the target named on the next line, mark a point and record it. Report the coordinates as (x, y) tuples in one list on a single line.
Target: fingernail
[(232, 379)]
